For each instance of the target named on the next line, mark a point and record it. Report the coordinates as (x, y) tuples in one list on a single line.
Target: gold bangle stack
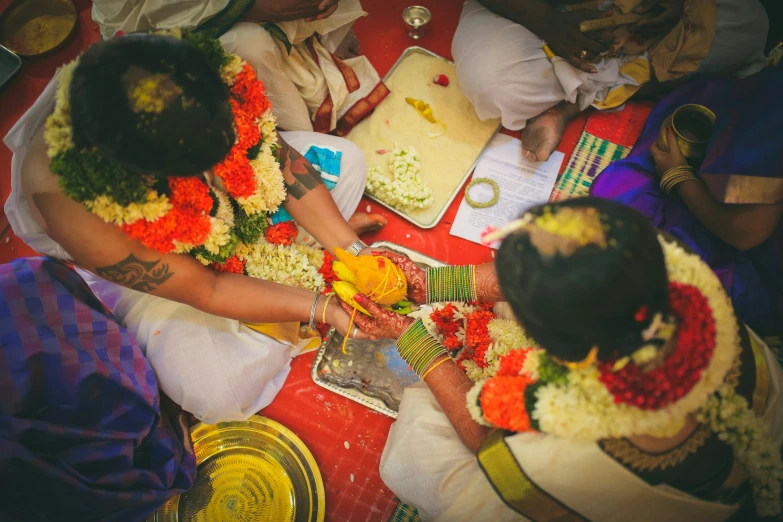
[(676, 175)]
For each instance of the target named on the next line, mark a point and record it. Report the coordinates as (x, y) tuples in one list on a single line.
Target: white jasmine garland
[(404, 189), (472, 399), (295, 265)]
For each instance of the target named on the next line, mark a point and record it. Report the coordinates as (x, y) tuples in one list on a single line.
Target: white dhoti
[(504, 71), (216, 368), (427, 466), (309, 88)]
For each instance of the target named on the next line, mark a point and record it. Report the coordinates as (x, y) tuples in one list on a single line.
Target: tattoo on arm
[(299, 175), (132, 272)]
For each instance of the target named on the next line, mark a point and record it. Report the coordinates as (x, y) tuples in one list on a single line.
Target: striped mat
[(608, 137), (405, 513)]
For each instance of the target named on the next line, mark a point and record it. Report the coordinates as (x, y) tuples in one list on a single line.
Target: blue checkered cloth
[(81, 431)]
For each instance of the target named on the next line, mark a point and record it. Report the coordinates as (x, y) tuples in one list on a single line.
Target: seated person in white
[(507, 71), (643, 399), (153, 164)]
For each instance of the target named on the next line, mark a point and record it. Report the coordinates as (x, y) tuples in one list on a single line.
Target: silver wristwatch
[(356, 247)]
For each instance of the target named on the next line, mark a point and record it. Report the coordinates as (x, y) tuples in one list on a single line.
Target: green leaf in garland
[(530, 403), (85, 175), (551, 372), (211, 47), (278, 33), (225, 252), (249, 228), (254, 151)]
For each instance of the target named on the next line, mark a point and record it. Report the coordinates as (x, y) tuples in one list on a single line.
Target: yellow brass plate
[(251, 470), (37, 27)]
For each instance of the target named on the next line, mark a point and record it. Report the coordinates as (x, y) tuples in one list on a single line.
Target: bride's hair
[(186, 137), (601, 294)]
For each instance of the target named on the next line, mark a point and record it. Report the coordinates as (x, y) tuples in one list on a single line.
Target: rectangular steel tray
[(405, 54), (10, 63), (371, 372)]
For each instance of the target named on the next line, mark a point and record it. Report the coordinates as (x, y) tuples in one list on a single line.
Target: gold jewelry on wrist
[(443, 360), (676, 175), (326, 305)]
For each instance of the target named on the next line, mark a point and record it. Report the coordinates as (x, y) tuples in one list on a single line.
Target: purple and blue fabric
[(747, 142), (82, 436)]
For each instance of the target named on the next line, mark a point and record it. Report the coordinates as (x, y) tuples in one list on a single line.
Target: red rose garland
[(656, 388)]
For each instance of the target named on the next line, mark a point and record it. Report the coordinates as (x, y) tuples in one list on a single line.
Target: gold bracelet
[(326, 305), (435, 366), (675, 176)]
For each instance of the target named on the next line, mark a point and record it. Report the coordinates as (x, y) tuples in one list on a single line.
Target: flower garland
[(222, 220), (405, 190), (520, 388)]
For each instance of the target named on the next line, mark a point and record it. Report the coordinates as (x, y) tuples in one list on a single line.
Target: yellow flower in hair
[(153, 93), (582, 225)]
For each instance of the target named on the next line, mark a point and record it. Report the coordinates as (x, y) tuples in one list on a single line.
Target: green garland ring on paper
[(482, 204)]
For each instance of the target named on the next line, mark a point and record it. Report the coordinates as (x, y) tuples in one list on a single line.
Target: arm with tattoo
[(310, 203), (299, 175), (132, 272)]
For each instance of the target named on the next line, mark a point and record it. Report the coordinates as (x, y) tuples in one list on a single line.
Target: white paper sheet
[(522, 184)]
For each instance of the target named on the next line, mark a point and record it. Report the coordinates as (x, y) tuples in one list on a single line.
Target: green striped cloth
[(591, 155), (405, 513)]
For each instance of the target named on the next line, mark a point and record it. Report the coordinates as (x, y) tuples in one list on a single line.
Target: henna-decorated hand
[(417, 278), (382, 324), (336, 316)]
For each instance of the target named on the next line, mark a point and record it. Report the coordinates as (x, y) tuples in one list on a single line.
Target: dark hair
[(569, 304), (185, 139)]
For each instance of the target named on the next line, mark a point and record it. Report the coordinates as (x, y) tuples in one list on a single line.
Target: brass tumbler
[(692, 125)]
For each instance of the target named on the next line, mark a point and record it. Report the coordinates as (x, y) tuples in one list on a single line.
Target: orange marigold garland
[(232, 265), (503, 402), (284, 233), (187, 222)]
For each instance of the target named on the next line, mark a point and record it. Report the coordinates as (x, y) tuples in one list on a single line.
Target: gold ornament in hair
[(562, 230), (585, 363)]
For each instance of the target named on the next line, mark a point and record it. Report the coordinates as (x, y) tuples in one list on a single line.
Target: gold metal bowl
[(251, 470), (32, 28), (692, 126)]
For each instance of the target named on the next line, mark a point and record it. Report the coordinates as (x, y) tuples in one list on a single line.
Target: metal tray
[(371, 373), (420, 50), (10, 63)]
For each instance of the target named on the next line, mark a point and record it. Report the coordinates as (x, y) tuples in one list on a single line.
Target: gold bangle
[(446, 358), (326, 305)]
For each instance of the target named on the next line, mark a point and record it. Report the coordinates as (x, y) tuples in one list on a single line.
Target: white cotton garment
[(214, 367)]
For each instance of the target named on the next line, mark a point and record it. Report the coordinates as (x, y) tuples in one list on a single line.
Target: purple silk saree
[(82, 436), (744, 164)]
